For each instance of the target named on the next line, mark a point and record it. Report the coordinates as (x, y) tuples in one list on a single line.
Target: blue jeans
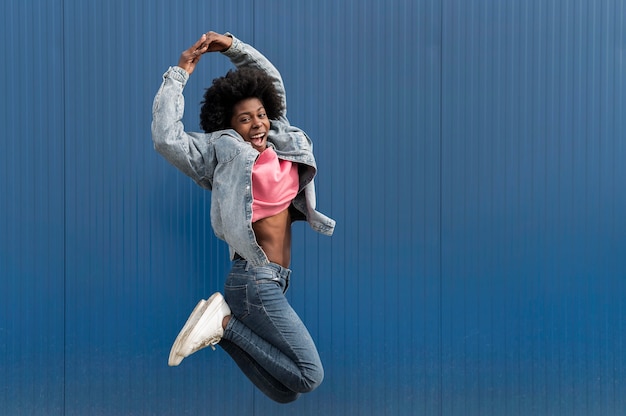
[(265, 336)]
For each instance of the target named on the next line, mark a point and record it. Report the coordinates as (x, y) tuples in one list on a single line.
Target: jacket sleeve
[(192, 153), (243, 55)]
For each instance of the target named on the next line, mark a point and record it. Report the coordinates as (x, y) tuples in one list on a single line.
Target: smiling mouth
[(257, 138)]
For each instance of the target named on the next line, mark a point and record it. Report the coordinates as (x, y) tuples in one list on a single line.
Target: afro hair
[(237, 85)]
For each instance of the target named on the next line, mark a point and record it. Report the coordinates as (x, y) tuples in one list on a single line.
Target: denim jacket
[(222, 161)]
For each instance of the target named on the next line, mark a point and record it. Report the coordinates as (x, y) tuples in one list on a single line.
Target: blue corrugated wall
[(473, 153)]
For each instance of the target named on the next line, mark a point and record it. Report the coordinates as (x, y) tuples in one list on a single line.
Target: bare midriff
[(273, 234)]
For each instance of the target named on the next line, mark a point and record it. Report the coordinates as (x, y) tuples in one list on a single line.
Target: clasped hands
[(208, 42)]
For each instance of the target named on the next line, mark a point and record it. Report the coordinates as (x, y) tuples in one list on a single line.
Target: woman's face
[(251, 122)]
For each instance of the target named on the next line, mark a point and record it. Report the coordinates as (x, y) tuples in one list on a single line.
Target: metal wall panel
[(31, 209), (533, 243), (472, 153), (369, 100)]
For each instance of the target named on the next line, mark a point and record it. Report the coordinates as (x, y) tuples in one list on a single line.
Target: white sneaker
[(203, 328)]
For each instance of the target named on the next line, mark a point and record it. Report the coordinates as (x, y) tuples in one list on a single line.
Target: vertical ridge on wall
[(64, 219)]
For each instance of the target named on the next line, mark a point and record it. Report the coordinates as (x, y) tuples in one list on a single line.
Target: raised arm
[(240, 54), (192, 153), (243, 55)]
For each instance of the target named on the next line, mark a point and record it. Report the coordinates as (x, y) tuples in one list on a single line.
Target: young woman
[(260, 171)]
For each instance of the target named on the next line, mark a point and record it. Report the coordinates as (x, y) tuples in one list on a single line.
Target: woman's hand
[(217, 43), (208, 42)]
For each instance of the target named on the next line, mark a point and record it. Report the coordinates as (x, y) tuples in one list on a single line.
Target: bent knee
[(312, 379)]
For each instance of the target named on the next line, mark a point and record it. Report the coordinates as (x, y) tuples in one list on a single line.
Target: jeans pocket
[(237, 299)]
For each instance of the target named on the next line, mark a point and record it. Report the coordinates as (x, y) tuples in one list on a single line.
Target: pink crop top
[(275, 184)]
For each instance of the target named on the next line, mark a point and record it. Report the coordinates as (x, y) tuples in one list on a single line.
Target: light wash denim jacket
[(222, 161)]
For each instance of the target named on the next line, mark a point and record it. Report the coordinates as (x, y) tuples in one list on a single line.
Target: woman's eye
[(262, 115)]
